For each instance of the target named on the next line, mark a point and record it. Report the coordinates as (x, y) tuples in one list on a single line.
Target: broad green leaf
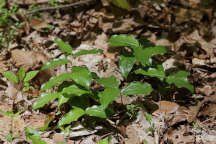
[(10, 76), (84, 52), (108, 96), (54, 63), (2, 4), (55, 80), (180, 80), (126, 64), (10, 113), (144, 55), (109, 82), (71, 116), (30, 75), (122, 4), (82, 76), (44, 99), (33, 135), (73, 90), (136, 88), (104, 141), (63, 46), (122, 41), (62, 99), (21, 73), (153, 72), (97, 111)]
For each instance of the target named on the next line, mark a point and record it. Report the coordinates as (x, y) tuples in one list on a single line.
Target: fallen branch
[(58, 7)]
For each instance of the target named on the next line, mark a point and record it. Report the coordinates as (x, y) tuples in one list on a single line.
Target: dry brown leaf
[(180, 136), (209, 110), (38, 24), (166, 107), (132, 134), (29, 2), (179, 116), (28, 59)]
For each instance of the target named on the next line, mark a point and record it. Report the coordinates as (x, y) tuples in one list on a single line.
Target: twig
[(58, 7)]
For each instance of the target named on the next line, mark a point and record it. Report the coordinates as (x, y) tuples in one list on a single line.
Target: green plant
[(141, 53), (104, 141), (33, 135), (7, 26), (21, 77), (74, 88), (10, 137)]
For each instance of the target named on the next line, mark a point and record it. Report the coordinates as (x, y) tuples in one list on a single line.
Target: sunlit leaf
[(46, 125), (62, 99), (55, 80), (126, 64), (10, 76), (10, 113), (97, 111), (44, 99), (153, 72), (71, 116), (84, 52), (180, 80), (73, 90), (109, 82), (104, 141), (21, 73), (122, 41), (33, 135), (65, 47), (136, 88), (54, 63), (82, 76), (108, 96), (122, 4), (30, 75), (143, 55)]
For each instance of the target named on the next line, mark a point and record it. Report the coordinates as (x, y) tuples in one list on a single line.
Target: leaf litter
[(186, 27)]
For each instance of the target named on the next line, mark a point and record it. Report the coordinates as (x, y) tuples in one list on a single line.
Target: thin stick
[(58, 7)]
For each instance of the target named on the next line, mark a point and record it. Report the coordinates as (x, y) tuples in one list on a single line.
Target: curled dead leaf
[(166, 107)]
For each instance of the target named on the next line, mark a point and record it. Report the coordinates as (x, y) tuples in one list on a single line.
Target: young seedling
[(21, 77)]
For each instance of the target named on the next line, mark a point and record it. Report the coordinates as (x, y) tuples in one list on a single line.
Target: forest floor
[(185, 27)]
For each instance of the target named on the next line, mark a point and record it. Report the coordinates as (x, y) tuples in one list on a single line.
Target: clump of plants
[(139, 61), (8, 27)]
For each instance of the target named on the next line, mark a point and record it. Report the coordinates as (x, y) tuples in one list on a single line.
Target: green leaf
[(10, 113), (54, 63), (122, 4), (33, 135), (55, 80), (62, 99), (81, 76), (44, 99), (180, 80), (21, 73), (108, 96), (144, 55), (30, 75), (136, 88), (104, 141), (71, 116), (123, 41), (73, 90), (153, 72), (126, 64), (109, 82), (65, 47), (97, 111), (2, 3), (84, 52), (10, 76)]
